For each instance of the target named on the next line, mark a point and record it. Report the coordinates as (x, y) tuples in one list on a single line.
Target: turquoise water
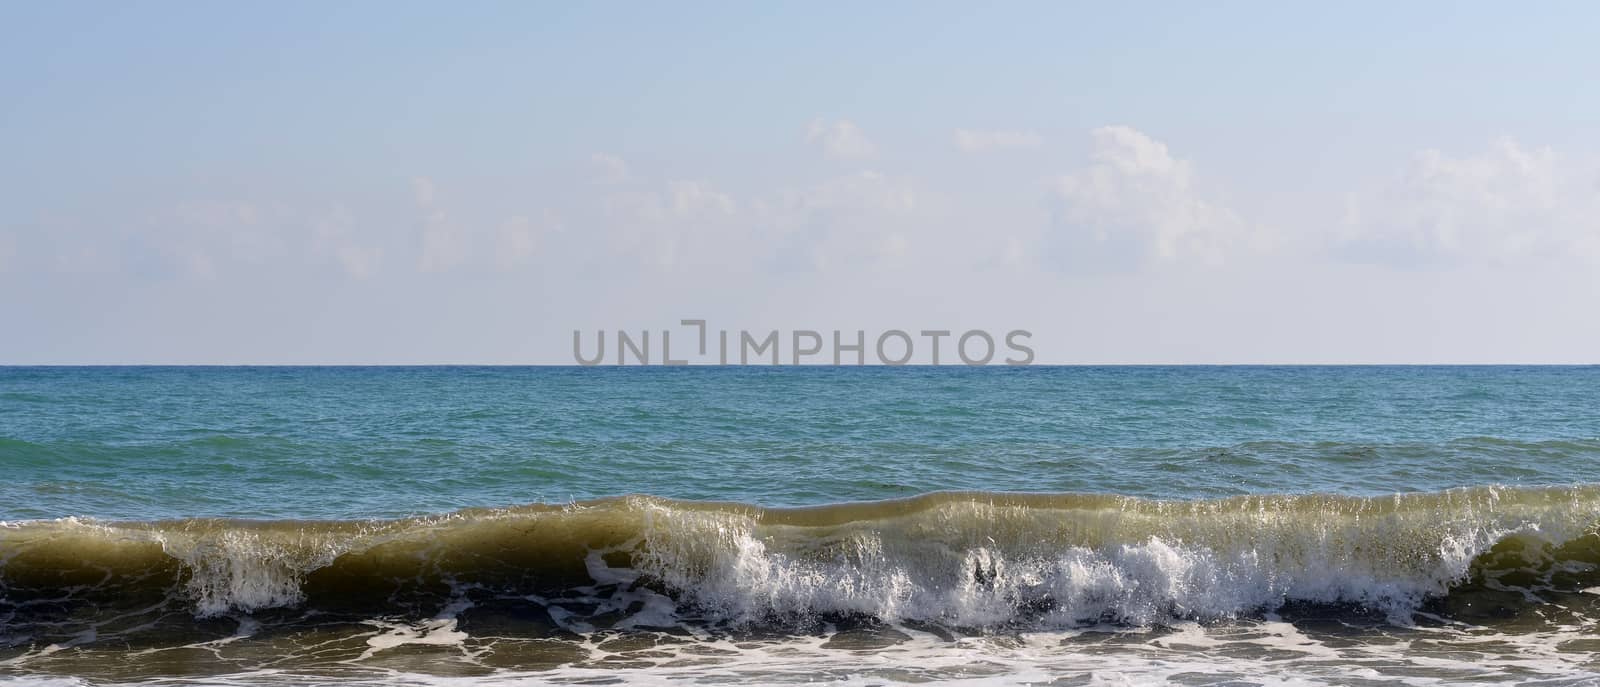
[(987, 526), (146, 442)]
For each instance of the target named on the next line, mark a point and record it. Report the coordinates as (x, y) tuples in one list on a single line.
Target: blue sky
[(1140, 182)]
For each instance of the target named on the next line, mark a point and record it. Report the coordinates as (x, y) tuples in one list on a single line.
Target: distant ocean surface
[(755, 525)]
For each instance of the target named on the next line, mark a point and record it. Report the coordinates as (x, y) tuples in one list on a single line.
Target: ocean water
[(1049, 525)]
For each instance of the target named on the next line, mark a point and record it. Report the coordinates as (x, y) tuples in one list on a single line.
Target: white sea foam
[(976, 564), (951, 588), (1268, 653)]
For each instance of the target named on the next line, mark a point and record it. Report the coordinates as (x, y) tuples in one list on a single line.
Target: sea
[(783, 525)]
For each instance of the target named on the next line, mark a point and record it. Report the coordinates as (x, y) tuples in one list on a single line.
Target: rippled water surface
[(141, 443)]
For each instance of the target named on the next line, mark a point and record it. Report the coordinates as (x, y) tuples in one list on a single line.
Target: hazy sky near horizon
[(380, 182)]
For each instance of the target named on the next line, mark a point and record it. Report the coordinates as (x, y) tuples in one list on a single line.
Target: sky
[(441, 183)]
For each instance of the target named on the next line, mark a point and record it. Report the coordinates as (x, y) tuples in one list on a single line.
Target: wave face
[(961, 560)]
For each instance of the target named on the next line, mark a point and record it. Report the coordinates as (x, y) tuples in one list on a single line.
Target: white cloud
[(515, 243), (201, 239), (520, 238), (984, 141), (690, 197), (609, 169), (1136, 202), (679, 200), (423, 189), (860, 218), (679, 224), (840, 140), (444, 247), (196, 262), (239, 231), (852, 219), (333, 238), (1505, 205)]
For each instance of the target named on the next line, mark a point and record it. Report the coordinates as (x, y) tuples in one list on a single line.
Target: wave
[(960, 559)]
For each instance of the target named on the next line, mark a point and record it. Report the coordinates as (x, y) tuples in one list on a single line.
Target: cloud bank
[(1125, 201), (1505, 205)]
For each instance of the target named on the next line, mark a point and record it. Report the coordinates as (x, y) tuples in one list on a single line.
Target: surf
[(969, 560)]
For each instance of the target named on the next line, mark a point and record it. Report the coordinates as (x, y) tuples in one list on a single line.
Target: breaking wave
[(958, 559)]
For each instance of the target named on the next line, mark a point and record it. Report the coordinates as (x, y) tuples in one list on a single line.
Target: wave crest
[(963, 559)]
